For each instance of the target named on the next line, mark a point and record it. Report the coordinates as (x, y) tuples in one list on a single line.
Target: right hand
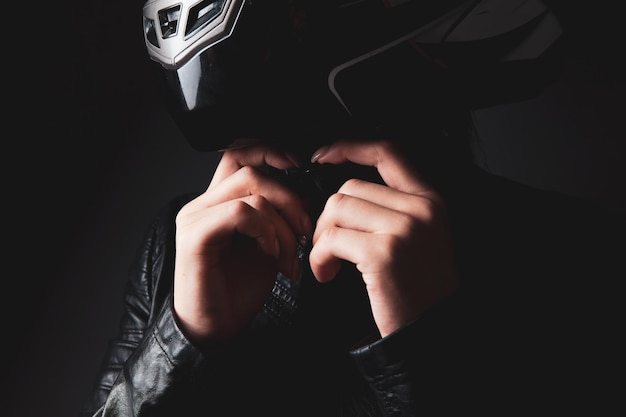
[(231, 241)]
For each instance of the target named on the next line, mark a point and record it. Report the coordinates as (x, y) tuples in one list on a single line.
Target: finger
[(252, 217), (392, 166), (214, 228), (350, 212), (354, 229), (255, 155), (248, 181), (418, 205), (335, 244)]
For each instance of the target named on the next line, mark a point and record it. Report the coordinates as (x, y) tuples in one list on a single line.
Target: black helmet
[(315, 70)]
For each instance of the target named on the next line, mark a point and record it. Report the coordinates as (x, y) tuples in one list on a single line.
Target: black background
[(90, 155)]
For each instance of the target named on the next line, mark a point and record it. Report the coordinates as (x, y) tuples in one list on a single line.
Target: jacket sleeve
[(138, 351), (408, 370), (163, 365)]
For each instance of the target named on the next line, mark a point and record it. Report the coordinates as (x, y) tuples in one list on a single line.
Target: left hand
[(396, 234)]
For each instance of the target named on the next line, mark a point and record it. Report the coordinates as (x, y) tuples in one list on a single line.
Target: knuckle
[(238, 208), (335, 200), (428, 208), (385, 147), (350, 185), (327, 234), (247, 171), (257, 201)]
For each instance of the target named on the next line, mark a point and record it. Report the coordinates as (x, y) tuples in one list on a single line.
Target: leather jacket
[(497, 346)]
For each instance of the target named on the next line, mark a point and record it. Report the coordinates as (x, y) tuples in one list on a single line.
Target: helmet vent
[(168, 19), (150, 32), (202, 13)]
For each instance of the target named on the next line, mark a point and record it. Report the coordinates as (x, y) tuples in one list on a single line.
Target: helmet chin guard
[(305, 72)]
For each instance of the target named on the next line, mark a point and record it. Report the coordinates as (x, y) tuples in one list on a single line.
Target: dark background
[(90, 155)]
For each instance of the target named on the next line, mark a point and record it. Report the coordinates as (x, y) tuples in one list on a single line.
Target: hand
[(396, 234), (231, 241)]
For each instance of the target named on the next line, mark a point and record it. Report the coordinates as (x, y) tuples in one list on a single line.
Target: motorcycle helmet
[(315, 70)]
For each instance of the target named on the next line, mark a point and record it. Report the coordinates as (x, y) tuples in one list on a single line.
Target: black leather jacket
[(500, 345)]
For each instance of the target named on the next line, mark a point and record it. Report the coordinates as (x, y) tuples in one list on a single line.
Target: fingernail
[(319, 153)]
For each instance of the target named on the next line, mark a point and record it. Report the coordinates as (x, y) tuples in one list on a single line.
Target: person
[(348, 257)]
